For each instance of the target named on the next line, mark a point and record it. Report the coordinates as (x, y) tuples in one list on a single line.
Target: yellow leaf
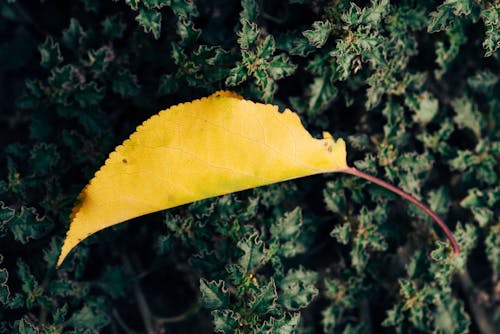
[(192, 151)]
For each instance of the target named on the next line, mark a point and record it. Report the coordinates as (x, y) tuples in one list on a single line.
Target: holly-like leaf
[(91, 316), (264, 301), (24, 224), (50, 53), (226, 321), (286, 324), (319, 33), (4, 289), (43, 158), (468, 115), (150, 20), (425, 107), (298, 289), (89, 94), (125, 83), (253, 252), (214, 294), (25, 326), (491, 18), (113, 26), (493, 248), (74, 35), (248, 34)]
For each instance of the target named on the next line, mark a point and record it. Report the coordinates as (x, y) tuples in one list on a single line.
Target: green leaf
[(88, 94), (483, 216), (468, 115), (74, 36), (492, 243), (483, 81), (25, 326), (491, 19), (253, 252), (439, 200), (437, 141), (319, 33), (113, 26), (91, 316), (288, 227), (474, 198), (416, 167), (447, 51), (184, 8), (376, 12), (114, 281), (214, 294), (51, 252), (247, 37), (249, 11), (150, 20), (168, 84), (98, 60), (91, 5), (133, 4), (298, 289), (280, 66), (187, 31), (25, 224), (334, 197), (43, 158), (368, 237), (31, 99), (237, 75), (330, 317), (266, 48), (450, 317), (125, 83), (323, 93), (226, 321), (289, 323), (440, 19), (264, 300), (60, 314), (425, 108), (464, 160), (50, 53), (342, 233), (4, 288), (395, 129), (156, 4), (30, 285)]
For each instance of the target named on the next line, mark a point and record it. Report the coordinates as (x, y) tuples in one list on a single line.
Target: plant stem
[(405, 195), (486, 326), (142, 304)]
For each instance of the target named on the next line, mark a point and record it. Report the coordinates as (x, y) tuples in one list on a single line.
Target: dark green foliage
[(412, 85)]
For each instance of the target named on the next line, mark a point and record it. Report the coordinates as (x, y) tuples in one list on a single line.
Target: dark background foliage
[(412, 85)]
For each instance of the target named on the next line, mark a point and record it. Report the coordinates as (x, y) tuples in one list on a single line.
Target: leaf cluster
[(412, 85)]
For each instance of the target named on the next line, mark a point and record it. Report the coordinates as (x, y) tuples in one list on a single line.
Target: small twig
[(144, 310), (365, 316), (122, 323), (24, 14), (483, 322), (42, 317), (181, 317)]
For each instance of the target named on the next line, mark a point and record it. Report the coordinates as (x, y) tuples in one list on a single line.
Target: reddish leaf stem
[(357, 172)]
